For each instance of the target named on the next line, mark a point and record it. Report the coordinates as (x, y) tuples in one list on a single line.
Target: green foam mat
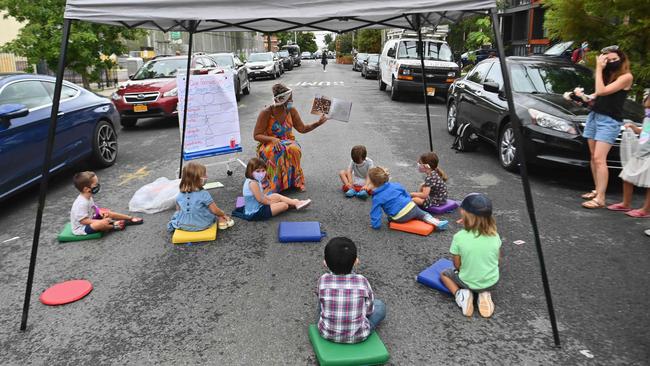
[(67, 235), (369, 352)]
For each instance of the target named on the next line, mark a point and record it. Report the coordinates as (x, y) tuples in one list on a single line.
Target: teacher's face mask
[(289, 105)]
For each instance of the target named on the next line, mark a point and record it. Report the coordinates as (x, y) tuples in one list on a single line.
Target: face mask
[(259, 176), (422, 168), (611, 66), (95, 189), (289, 105)]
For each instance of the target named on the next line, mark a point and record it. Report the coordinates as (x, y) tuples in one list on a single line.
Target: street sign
[(175, 35)]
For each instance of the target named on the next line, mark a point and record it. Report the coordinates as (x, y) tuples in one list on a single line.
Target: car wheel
[(104, 145), (290, 67), (128, 122), (452, 112), (508, 155), (274, 75), (238, 91), (247, 89), (394, 93), (382, 85)]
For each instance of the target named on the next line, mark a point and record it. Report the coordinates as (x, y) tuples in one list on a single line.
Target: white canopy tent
[(269, 17)]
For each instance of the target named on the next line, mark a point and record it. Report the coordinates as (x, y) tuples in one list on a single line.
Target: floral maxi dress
[(282, 165)]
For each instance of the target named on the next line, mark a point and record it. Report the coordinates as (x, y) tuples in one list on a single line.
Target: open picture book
[(334, 108)]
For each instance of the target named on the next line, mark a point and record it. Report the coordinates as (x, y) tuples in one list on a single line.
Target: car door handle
[(478, 92)]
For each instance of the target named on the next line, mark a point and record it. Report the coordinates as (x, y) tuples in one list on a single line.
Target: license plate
[(140, 108), (431, 91)]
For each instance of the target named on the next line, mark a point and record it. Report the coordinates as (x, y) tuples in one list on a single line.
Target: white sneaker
[(485, 304), (647, 232), (303, 204), (465, 300)]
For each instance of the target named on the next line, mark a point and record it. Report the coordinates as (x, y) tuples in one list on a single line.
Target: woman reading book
[(277, 144)]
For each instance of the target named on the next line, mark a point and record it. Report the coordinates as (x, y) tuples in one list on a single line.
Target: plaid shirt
[(346, 301)]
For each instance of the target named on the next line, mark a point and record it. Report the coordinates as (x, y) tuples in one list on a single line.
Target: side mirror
[(131, 76), (491, 87), (11, 111), (391, 52)]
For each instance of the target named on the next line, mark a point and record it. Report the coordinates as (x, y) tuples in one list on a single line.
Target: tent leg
[(45, 173), (516, 124), (424, 79), (187, 93)]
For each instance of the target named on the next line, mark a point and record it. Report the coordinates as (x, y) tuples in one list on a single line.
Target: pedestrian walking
[(613, 82), (323, 60)]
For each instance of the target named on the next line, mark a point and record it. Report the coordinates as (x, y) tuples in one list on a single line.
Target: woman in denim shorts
[(613, 82)]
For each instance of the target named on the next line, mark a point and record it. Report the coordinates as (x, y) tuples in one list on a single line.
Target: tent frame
[(415, 20)]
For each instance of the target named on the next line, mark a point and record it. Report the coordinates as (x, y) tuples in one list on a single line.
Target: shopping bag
[(157, 196), (629, 145)]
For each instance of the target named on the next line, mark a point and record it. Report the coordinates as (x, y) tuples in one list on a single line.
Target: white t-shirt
[(82, 208), (360, 171)]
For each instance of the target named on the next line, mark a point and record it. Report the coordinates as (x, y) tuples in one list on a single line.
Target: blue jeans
[(378, 313)]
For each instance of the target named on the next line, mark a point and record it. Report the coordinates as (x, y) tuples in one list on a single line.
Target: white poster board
[(212, 126)]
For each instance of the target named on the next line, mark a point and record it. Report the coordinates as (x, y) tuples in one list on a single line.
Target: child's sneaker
[(350, 193), (485, 304), (441, 225), (303, 204), (362, 194), (465, 300)]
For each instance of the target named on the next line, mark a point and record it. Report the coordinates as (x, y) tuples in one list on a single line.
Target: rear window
[(434, 51)]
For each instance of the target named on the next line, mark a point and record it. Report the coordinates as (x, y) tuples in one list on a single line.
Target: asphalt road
[(246, 299)]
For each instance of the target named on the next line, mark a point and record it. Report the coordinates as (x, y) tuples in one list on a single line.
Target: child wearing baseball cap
[(476, 253)]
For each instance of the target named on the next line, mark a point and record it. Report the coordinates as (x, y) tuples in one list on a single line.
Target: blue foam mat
[(431, 275)]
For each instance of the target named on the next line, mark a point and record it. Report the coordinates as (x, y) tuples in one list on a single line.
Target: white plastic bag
[(629, 145), (160, 195)]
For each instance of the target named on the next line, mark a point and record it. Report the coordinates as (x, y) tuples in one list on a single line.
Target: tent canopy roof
[(271, 16)]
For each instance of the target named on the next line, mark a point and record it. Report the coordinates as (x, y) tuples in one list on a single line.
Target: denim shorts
[(89, 230), (601, 127)]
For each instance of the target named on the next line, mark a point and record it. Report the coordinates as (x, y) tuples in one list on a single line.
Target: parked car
[(263, 65), (331, 54), (85, 129), (317, 55), (481, 54), (357, 61), (276, 57), (552, 126), (152, 92), (294, 51), (286, 59), (400, 66), (370, 66), (232, 63), (561, 50), (306, 55)]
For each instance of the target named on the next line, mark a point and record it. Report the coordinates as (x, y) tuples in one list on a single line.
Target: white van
[(400, 67)]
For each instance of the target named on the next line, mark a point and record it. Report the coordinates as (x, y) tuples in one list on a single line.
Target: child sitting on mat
[(476, 254), (85, 217), (195, 208), (355, 177), (347, 309), (433, 192), (396, 202), (259, 204)]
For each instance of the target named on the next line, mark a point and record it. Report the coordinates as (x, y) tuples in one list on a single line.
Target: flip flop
[(133, 221), (638, 214), (618, 207), (589, 195), (592, 204)]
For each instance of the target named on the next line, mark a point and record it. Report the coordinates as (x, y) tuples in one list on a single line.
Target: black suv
[(552, 126), (286, 59)]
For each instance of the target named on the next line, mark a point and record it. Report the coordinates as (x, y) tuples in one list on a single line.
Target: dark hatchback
[(552, 126), (370, 68)]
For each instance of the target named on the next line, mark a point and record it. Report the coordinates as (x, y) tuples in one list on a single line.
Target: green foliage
[(329, 41), (284, 38), (368, 40), (344, 44), (603, 23), (471, 34), (307, 41), (40, 38)]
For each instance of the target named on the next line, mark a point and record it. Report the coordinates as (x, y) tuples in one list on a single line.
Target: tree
[(344, 44), (603, 23), (40, 38), (328, 41), (307, 41), (470, 34), (284, 38), (369, 40)]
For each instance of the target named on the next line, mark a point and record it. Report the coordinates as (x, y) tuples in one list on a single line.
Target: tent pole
[(192, 28), (516, 124), (424, 78), (45, 173)]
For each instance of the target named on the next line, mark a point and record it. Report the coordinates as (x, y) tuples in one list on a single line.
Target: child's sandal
[(133, 221)]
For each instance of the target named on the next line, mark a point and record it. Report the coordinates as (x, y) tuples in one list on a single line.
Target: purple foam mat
[(240, 202), (448, 206)]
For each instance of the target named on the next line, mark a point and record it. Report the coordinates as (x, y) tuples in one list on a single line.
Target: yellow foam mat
[(182, 236)]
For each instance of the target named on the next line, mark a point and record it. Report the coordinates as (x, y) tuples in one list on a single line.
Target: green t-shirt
[(479, 258)]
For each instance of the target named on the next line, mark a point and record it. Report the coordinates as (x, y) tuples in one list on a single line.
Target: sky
[(320, 38)]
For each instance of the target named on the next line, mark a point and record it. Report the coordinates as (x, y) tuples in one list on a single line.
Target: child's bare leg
[(277, 198), (101, 225), (646, 204), (449, 283), (278, 208), (346, 177), (628, 191), (418, 201), (119, 216)]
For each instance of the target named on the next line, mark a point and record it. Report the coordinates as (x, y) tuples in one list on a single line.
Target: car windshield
[(156, 69), (260, 57), (550, 78), (435, 51), (223, 60), (283, 53), (362, 56), (558, 49), (373, 58)]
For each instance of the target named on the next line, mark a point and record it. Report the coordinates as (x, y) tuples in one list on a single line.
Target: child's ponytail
[(442, 174)]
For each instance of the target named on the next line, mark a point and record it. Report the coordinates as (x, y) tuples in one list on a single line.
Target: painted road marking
[(12, 239), (318, 83), (140, 173)]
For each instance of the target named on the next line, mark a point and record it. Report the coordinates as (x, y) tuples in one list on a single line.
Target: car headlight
[(171, 93), (555, 123), (406, 71), (115, 96), (451, 74)]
